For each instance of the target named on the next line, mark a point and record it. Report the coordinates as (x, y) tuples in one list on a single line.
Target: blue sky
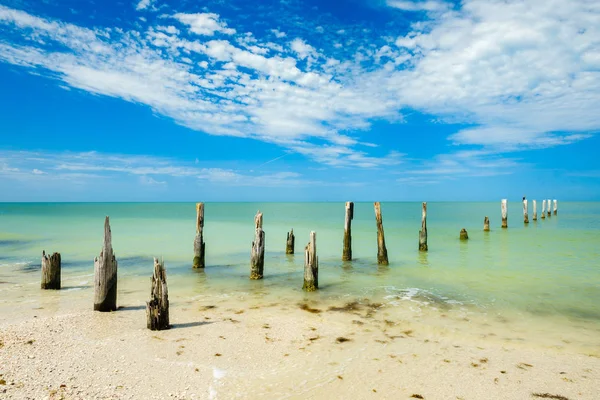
[(287, 100)]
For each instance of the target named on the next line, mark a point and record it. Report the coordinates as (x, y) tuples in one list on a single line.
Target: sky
[(291, 100)]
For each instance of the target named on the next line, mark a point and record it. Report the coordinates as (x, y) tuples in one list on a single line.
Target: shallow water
[(536, 279)]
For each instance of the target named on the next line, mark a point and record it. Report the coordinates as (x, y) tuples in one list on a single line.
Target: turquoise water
[(547, 268)]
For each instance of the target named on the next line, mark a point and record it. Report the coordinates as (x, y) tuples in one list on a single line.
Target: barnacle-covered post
[(347, 250), (199, 244), (311, 265), (50, 271), (105, 274), (157, 309), (257, 255), (423, 231)]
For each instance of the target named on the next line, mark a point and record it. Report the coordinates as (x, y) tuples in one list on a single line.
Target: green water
[(547, 268)]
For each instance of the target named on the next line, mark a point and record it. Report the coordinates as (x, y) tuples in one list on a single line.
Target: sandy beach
[(252, 349)]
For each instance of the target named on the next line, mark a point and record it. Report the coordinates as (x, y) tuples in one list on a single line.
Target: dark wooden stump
[(423, 231), (534, 210), (157, 309), (382, 256), (257, 255), (289, 243), (311, 265), (105, 275), (486, 224), (199, 244), (549, 208), (555, 207), (347, 250), (525, 212), (463, 234), (50, 271)]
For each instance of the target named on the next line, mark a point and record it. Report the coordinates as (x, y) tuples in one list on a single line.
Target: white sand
[(274, 351)]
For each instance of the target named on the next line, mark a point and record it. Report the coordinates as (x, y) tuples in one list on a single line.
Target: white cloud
[(204, 23), (419, 5), (523, 74), (144, 4), (278, 34), (37, 172)]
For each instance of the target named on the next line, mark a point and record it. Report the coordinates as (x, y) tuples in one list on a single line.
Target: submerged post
[(543, 209), (534, 210), (105, 275), (199, 244), (382, 257), (347, 250), (525, 211), (289, 244), (157, 309), (257, 256), (311, 265), (423, 231), (549, 208), (463, 234), (486, 224), (555, 207), (50, 271), (504, 214)]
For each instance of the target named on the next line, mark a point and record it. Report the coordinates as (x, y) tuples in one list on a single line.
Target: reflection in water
[(424, 259)]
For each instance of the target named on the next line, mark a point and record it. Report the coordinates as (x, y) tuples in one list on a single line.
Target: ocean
[(541, 280)]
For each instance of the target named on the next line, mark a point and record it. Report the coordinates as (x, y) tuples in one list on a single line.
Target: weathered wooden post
[(157, 309), (463, 234), (555, 207), (525, 212), (199, 244), (347, 250), (504, 214), (289, 244), (257, 256), (382, 257), (486, 224), (549, 210), (534, 210), (311, 265), (105, 275), (50, 271), (423, 231), (543, 209)]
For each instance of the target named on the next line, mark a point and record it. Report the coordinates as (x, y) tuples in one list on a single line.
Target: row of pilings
[(157, 308)]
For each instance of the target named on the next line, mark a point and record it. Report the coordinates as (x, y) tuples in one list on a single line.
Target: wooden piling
[(423, 231), (486, 224), (289, 244), (382, 257), (311, 265), (157, 309), (549, 210), (504, 214), (534, 210), (463, 234), (199, 245), (347, 250), (543, 209), (50, 271), (525, 212), (555, 207), (257, 256), (105, 275)]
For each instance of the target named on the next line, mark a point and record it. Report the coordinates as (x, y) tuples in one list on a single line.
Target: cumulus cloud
[(144, 4), (204, 23)]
